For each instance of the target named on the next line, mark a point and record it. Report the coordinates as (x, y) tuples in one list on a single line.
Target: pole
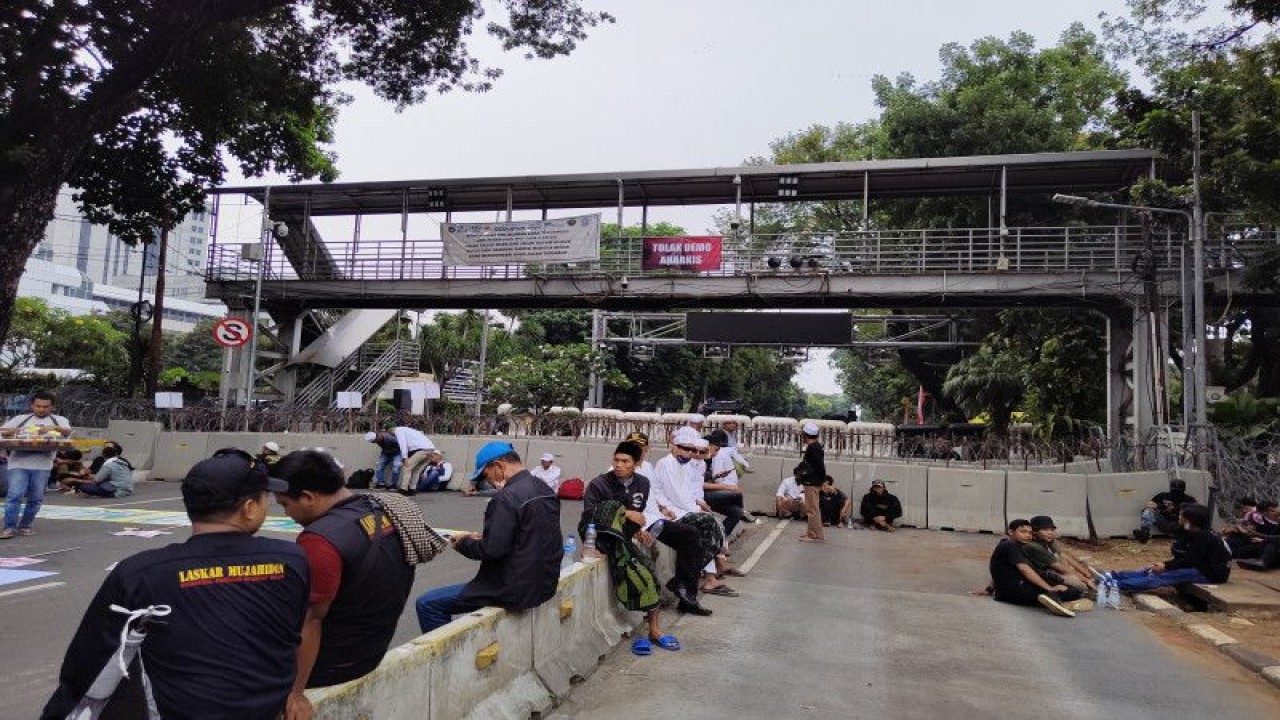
[(249, 375), (1197, 261), (154, 354), (135, 372)]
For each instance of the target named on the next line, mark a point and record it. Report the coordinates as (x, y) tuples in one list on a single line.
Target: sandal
[(667, 642), (722, 590), (641, 647), (734, 572)]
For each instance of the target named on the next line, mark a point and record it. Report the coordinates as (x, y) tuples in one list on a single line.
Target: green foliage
[(988, 382), (553, 375), (42, 336), (196, 352), (554, 327), (452, 341), (1244, 416), (179, 378)]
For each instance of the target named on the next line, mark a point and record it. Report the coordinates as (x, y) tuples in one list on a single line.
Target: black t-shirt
[(813, 456), (1005, 559), (228, 649)]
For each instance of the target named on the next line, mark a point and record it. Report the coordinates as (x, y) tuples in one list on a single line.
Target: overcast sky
[(682, 84)]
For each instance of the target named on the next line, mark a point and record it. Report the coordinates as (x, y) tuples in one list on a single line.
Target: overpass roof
[(1071, 172)]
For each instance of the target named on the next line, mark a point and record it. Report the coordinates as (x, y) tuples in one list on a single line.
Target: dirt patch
[(1260, 634)]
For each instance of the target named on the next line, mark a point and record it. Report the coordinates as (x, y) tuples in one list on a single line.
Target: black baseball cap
[(1043, 522), (226, 477)]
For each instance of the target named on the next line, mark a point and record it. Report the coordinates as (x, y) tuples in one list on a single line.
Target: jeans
[(1163, 524), (1139, 580), (436, 608), (379, 472), (431, 479), (28, 485)]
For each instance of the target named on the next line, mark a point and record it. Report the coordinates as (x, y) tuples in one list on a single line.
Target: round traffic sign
[(232, 332)]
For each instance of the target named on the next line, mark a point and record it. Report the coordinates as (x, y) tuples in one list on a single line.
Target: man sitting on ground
[(1055, 566), (437, 474), (360, 573), (1162, 510), (789, 500), (113, 479), (547, 471), (519, 549), (1016, 582), (834, 505), (1267, 529), (880, 508), (270, 453), (68, 466), (1200, 555)]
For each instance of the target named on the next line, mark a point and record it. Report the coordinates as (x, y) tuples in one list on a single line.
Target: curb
[(1265, 665)]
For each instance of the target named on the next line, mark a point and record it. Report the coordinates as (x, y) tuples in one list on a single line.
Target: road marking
[(764, 546), (167, 518), (175, 498), (41, 586)]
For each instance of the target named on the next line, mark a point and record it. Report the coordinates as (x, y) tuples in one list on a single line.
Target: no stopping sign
[(232, 332)]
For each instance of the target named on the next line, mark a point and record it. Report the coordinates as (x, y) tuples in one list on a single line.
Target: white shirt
[(723, 461), (670, 486), (446, 471), (790, 490), (410, 440), (25, 460), (550, 475)]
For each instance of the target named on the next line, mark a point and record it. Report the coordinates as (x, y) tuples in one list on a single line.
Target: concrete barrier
[(761, 484), (909, 482), (1116, 500), (176, 452), (1060, 495), (485, 669), (138, 440), (565, 642), (970, 500)]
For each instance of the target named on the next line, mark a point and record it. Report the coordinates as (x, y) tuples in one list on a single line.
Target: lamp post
[(1193, 377)]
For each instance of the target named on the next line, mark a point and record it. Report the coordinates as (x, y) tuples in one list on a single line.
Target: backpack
[(571, 489), (360, 480)]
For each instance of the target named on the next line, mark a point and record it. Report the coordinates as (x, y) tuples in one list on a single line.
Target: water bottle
[(570, 552), (656, 529), (589, 542), (1114, 600)]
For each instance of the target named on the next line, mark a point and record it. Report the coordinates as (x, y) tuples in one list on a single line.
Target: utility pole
[(154, 350)]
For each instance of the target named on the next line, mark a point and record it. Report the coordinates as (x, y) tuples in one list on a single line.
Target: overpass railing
[(895, 252)]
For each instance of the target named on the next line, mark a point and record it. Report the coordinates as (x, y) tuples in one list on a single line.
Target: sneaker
[(1081, 605), (1054, 606), (7, 534), (26, 532), (1142, 535)]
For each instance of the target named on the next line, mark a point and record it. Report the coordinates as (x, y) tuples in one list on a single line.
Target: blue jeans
[(1140, 580), (379, 472), (28, 485), (430, 480), (437, 607)]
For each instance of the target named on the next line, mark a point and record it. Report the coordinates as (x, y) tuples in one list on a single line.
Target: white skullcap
[(811, 429)]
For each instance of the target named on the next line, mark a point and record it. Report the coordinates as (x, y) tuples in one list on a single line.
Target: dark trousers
[(683, 539), (1025, 594), (729, 504)]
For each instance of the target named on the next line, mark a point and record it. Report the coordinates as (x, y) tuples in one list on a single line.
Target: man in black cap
[(360, 575), (1162, 510), (880, 508), (228, 648), (1014, 581), (1054, 565)]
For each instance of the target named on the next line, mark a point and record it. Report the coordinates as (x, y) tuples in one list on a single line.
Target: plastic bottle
[(570, 552), (589, 542), (1114, 600), (656, 528)]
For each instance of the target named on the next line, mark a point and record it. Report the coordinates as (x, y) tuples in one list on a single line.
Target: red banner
[(695, 254)]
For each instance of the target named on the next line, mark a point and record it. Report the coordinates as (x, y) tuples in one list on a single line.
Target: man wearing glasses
[(519, 550)]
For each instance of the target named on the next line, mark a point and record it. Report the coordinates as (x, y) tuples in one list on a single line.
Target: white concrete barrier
[(138, 440), (1116, 500), (486, 668), (565, 642), (760, 486), (970, 500), (1062, 496), (176, 452)]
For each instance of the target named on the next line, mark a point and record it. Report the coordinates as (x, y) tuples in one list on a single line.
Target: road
[(868, 625)]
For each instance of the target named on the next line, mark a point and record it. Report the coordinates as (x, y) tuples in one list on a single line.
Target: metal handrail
[(320, 390), (377, 371)]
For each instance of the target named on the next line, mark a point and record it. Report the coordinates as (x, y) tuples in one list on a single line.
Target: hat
[(719, 438), (370, 436), (877, 483), (1042, 522), (810, 429), (627, 447), (638, 438), (271, 445), (229, 476), (685, 436), (548, 457), (488, 453), (697, 418)]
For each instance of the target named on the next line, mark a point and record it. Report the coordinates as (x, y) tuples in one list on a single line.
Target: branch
[(1234, 35)]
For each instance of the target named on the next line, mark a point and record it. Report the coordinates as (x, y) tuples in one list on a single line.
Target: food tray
[(35, 445)]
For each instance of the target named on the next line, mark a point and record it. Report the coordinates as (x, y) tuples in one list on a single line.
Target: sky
[(681, 84)]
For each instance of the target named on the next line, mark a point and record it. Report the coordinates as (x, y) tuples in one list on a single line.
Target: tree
[(987, 382), (137, 102), (54, 338), (554, 375)]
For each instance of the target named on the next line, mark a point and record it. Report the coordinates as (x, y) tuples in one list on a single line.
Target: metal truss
[(643, 331)]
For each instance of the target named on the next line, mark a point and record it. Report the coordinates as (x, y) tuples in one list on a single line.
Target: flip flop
[(667, 642), (734, 572), (642, 647), (723, 590)]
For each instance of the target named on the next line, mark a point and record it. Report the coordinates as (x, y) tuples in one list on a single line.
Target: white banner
[(561, 240)]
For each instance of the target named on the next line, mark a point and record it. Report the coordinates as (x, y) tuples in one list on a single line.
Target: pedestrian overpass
[(1129, 275)]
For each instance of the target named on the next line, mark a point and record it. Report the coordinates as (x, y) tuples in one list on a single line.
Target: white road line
[(143, 502), (32, 588), (764, 546)]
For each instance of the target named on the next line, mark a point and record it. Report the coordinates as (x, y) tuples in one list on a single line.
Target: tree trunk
[(154, 352), (25, 210)]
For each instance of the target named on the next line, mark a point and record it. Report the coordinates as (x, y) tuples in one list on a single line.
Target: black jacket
[(874, 505), (1204, 551), (521, 548), (608, 487), (813, 455)]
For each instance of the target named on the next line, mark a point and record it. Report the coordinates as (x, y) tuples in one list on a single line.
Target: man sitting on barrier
[(789, 500), (1016, 582), (1200, 555), (834, 505), (519, 550), (618, 503), (1055, 566), (361, 552), (720, 485), (880, 508), (674, 478), (1161, 511), (698, 513)]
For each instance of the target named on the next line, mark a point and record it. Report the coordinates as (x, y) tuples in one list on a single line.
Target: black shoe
[(1142, 535), (692, 608), (1253, 565)]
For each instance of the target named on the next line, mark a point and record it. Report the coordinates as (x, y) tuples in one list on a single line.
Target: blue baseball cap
[(488, 453)]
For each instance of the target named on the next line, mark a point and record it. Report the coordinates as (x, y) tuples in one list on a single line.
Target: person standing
[(228, 648), (28, 472), (810, 474), (386, 474), (519, 550)]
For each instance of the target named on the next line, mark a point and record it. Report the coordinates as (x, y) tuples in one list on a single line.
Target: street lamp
[(1193, 401)]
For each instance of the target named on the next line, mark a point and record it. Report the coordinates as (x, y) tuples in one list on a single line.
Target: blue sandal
[(668, 642), (641, 647)]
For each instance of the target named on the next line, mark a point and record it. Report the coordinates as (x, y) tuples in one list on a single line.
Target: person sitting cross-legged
[(1017, 583), (880, 508), (1161, 511), (113, 479), (1200, 555)]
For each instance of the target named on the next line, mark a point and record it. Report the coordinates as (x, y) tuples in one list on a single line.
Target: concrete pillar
[(1119, 387), (289, 330)]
